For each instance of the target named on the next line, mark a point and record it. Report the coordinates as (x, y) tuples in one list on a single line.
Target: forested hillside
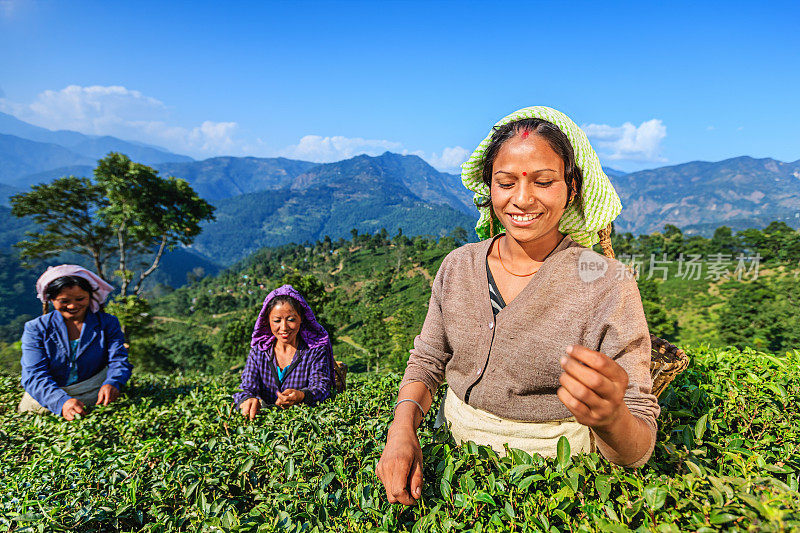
[(372, 291), (246, 223), (698, 196), (366, 193), (736, 289)]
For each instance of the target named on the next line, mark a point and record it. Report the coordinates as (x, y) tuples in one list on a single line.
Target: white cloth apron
[(86, 391), (467, 423)]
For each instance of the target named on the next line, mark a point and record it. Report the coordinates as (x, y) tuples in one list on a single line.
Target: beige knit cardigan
[(509, 365)]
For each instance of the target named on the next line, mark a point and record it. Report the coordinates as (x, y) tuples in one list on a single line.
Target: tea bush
[(172, 456)]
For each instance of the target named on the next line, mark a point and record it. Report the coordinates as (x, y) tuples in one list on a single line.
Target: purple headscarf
[(312, 333)]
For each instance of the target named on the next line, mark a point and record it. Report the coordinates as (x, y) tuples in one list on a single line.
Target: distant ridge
[(613, 173), (92, 147), (20, 157), (6, 191), (224, 177), (413, 172), (366, 193), (699, 196), (46, 176)]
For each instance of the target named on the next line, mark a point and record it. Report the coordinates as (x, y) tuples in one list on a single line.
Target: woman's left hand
[(290, 397), (592, 387), (108, 393)]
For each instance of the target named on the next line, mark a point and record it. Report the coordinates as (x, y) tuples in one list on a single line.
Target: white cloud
[(628, 142), (328, 149), (450, 158), (124, 113)]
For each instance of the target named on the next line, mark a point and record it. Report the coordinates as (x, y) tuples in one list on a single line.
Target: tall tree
[(67, 210), (148, 212), (724, 242), (375, 336), (659, 321), (129, 210), (673, 241)]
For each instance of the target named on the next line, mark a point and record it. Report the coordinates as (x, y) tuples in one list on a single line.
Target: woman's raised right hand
[(400, 466), (250, 407)]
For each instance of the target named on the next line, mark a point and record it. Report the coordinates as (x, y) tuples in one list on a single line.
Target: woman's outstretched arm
[(247, 400), (36, 378), (400, 466), (119, 366)]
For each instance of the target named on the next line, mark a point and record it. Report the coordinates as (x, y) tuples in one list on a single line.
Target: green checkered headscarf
[(600, 200)]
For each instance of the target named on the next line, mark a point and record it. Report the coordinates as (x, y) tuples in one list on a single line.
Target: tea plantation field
[(172, 456)]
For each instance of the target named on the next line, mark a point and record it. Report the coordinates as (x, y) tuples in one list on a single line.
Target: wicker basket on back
[(339, 376), (666, 360)]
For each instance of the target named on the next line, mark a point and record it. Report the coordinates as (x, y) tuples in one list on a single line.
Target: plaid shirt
[(309, 372)]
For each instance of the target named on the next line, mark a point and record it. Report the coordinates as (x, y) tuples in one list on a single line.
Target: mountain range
[(27, 151), (699, 196), (272, 201), (366, 193)]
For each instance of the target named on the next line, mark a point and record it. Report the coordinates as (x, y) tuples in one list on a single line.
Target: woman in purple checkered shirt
[(290, 361)]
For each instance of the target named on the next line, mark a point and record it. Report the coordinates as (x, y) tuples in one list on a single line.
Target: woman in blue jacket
[(75, 355)]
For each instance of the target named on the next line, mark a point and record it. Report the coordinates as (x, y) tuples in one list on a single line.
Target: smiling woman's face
[(72, 303), (529, 193), (284, 322)]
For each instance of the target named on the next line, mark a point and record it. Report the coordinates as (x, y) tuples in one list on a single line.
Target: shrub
[(171, 456)]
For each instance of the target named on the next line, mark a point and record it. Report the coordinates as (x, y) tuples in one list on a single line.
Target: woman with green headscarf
[(537, 336)]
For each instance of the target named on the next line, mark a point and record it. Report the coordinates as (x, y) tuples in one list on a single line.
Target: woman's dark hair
[(65, 282), (557, 140), (285, 299), (55, 287)]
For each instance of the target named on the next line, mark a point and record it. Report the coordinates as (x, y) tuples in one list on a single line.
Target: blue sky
[(652, 85)]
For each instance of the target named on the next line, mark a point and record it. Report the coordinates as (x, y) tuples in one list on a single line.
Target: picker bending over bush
[(290, 361), (537, 336), (75, 355)]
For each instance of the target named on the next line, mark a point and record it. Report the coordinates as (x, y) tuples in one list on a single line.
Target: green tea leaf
[(603, 486), (563, 452), (721, 518), (484, 497), (696, 470), (525, 483), (700, 427), (445, 489), (655, 496)]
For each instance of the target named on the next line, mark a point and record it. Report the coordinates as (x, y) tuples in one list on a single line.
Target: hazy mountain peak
[(698, 196), (92, 147)]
